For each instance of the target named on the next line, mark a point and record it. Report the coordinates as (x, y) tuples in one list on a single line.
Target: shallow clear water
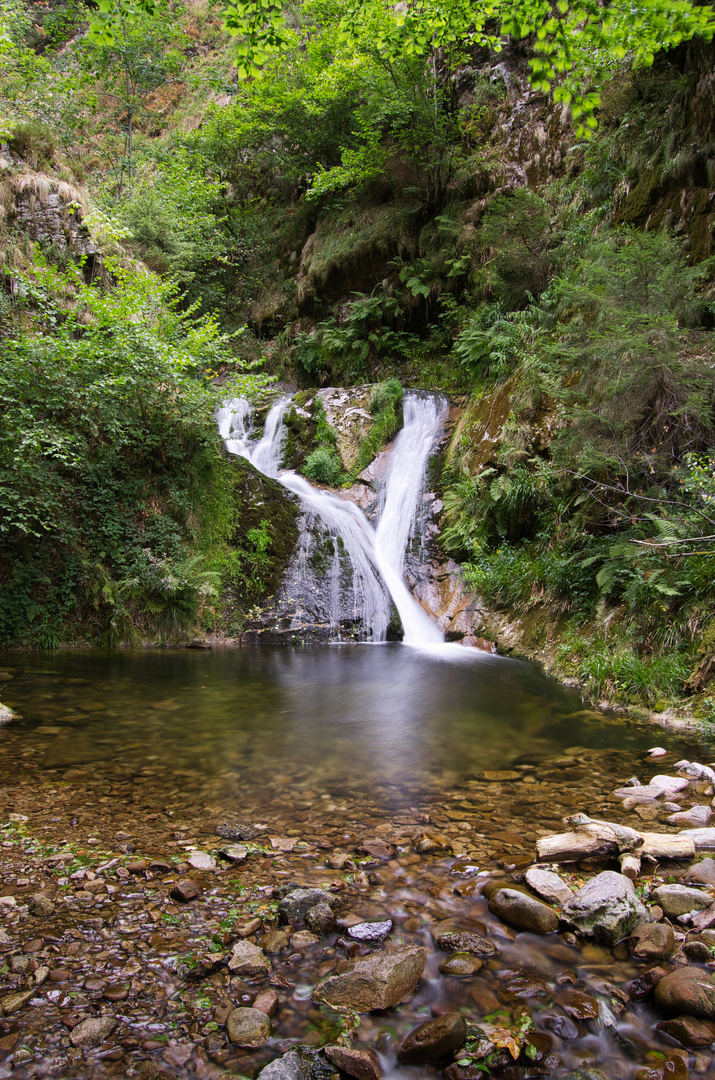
[(388, 717), (148, 752)]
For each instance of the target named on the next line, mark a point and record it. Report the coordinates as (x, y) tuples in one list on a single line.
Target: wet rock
[(697, 952), (245, 929), (275, 942), (370, 931), (578, 1006), (523, 912), (433, 1040), (377, 981), (696, 816), (460, 965), (241, 830), (248, 1027), (677, 900), (201, 860), (378, 849), (606, 908), (561, 1026), (303, 1063), (687, 990), (588, 1072), (178, 1055), (652, 941), (704, 920), (320, 918), (703, 873), (12, 1003), (361, 1064), (248, 960), (235, 853), (185, 891), (689, 1032), (92, 1032), (523, 987), (303, 938), (452, 939), (548, 886), (296, 903), (40, 905), (266, 1001), (6, 715)]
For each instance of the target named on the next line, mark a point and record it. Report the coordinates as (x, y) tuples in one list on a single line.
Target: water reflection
[(370, 717)]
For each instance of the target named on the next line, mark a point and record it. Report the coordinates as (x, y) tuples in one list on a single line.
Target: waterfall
[(362, 591), (403, 486)]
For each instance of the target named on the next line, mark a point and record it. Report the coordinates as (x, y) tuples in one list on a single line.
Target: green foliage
[(612, 671), (324, 467), (493, 343), (386, 408), (516, 226), (244, 568), (108, 460)]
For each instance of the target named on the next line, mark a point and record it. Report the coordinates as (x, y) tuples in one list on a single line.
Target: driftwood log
[(589, 838)]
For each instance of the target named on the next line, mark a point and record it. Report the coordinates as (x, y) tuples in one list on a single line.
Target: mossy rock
[(261, 499)]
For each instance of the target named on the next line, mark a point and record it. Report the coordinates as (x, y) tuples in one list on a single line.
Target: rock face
[(434, 1040), (248, 1027), (377, 981), (606, 908), (687, 990), (524, 912)]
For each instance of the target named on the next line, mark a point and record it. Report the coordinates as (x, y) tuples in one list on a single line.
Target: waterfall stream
[(376, 556)]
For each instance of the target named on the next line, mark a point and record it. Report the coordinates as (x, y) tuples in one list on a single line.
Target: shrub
[(323, 466)]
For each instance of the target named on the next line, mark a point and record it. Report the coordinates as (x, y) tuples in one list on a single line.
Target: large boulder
[(377, 981), (687, 990), (607, 908), (524, 912)]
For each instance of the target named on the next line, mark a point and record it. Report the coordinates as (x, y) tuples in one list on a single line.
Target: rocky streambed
[(315, 934)]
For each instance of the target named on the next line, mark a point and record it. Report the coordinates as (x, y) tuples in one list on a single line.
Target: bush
[(323, 466)]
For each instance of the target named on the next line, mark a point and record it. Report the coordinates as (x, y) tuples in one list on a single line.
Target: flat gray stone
[(248, 960), (548, 886)]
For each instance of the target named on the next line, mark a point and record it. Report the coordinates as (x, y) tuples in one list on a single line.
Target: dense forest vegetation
[(513, 204)]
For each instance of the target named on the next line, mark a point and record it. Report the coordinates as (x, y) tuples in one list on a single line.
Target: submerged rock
[(93, 1031), (688, 1031), (606, 908), (377, 981), (523, 912), (451, 939), (434, 1040)]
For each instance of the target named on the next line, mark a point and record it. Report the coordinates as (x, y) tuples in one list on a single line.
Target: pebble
[(92, 1032), (460, 965), (370, 931), (201, 860)]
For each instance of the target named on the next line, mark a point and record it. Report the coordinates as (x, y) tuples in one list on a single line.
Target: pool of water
[(147, 752)]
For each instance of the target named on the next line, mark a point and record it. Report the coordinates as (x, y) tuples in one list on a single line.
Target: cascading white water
[(376, 556), (404, 481)]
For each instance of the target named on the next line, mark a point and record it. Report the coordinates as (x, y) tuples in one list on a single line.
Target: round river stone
[(687, 990)]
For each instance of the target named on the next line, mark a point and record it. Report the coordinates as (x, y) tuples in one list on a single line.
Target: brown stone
[(652, 941), (434, 1040), (689, 1032), (248, 1027), (578, 1006), (185, 890), (377, 981), (687, 990), (361, 1064)]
